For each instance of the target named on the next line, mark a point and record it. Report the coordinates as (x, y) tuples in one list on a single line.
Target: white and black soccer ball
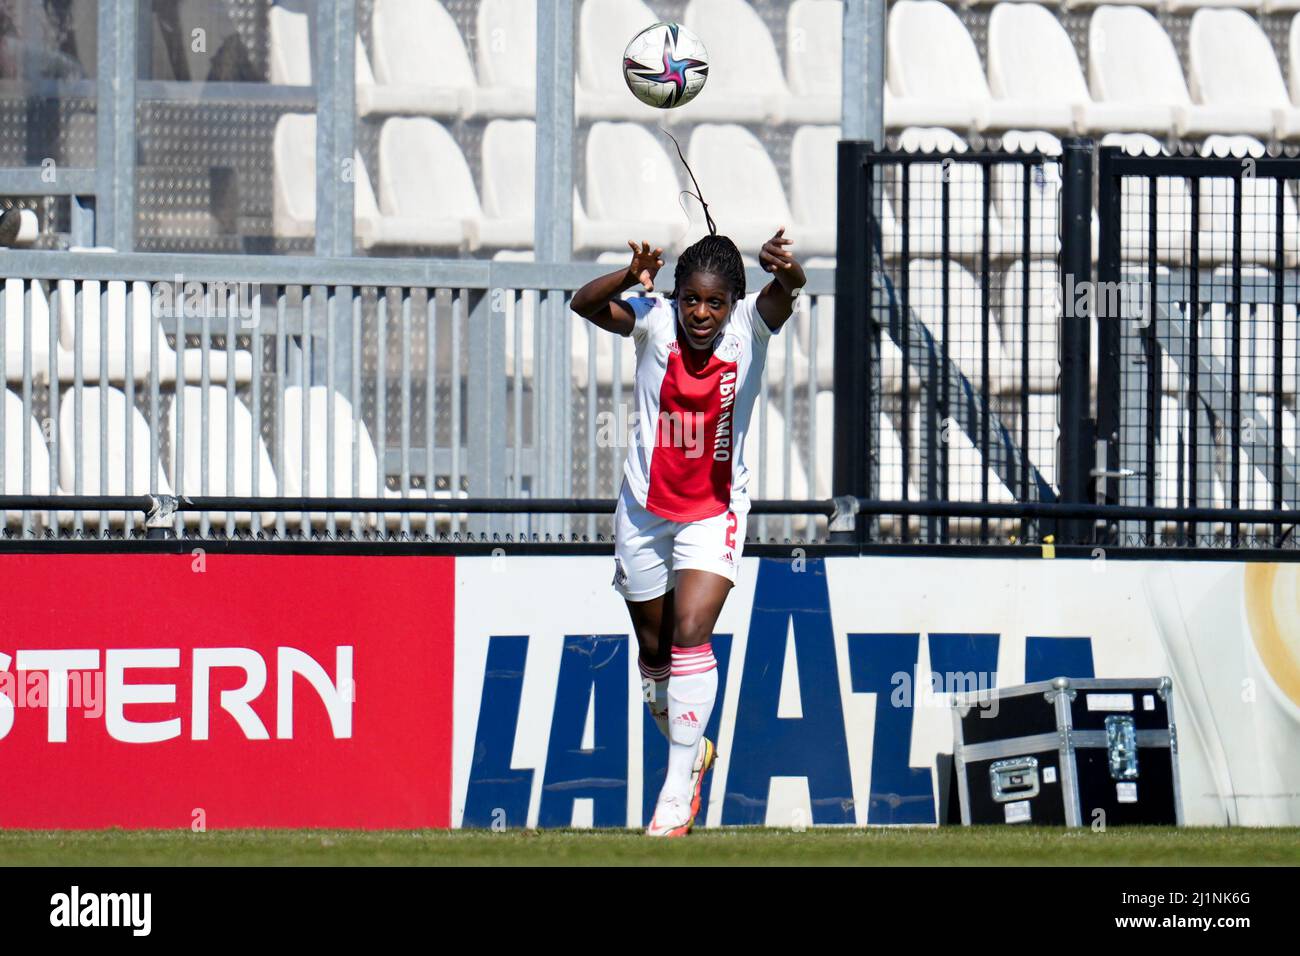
[(665, 65)]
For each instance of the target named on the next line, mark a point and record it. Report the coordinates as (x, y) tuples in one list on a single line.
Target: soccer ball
[(665, 65)]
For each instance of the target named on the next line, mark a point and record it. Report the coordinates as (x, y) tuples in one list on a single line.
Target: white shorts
[(650, 550)]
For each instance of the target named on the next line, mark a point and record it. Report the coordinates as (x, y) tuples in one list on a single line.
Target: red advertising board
[(227, 690)]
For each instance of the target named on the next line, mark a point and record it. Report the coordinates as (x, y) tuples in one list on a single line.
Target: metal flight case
[(1068, 752)]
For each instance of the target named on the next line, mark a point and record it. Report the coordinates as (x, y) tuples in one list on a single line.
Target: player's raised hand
[(645, 264), (774, 256)]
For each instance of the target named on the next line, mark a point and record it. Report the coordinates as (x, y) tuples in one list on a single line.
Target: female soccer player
[(680, 520)]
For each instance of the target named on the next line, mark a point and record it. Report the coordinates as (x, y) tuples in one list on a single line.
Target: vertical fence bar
[(257, 345), (854, 284), (430, 402), (49, 434), (457, 310), (205, 408), (406, 407), (304, 399), (1109, 206), (128, 388), (1194, 361), (4, 364), (232, 305), (115, 124), (986, 198), (381, 400), (354, 371), (78, 428), (102, 392), (1279, 212), (1151, 342), (178, 405), (28, 291), (1235, 425), (1077, 429), (281, 379), (155, 398), (331, 318)]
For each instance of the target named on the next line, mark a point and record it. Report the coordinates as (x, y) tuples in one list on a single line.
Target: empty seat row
[(1134, 82), (101, 338), (111, 432), (638, 199), (422, 64)]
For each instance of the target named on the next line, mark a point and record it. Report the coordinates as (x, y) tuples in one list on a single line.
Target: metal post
[(336, 99), (1077, 427), (850, 473), (485, 443), (863, 71), (115, 126), (1108, 393), (553, 238)]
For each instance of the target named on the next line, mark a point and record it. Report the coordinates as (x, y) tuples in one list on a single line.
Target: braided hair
[(713, 253)]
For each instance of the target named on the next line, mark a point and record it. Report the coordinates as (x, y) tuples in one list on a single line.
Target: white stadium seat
[(508, 170), (291, 55), (890, 450), (186, 465), (507, 58), (15, 424), (315, 426), (1231, 64), (1183, 6), (965, 470), (294, 184), (102, 420), (813, 59), (932, 60), (439, 211), (604, 29), (1044, 434), (812, 190), (1258, 210), (1044, 320), (965, 348), (740, 183), (925, 198), (1044, 192), (1132, 60), (1172, 199), (144, 326), (745, 82), (640, 188), (1031, 57), (1293, 59), (1257, 332), (421, 64), (39, 343), (767, 449)]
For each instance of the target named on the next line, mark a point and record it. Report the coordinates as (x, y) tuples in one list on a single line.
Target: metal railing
[(1196, 390), (198, 377)]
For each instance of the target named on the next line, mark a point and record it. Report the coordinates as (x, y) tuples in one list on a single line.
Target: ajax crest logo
[(728, 349)]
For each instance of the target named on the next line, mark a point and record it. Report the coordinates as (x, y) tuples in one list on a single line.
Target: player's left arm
[(776, 303)]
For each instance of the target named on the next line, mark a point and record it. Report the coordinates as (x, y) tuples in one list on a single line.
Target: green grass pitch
[(895, 846)]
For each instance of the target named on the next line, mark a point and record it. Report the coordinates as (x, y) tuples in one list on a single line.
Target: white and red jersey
[(693, 409)]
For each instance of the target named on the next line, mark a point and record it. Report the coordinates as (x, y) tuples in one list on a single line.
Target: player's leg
[(652, 622), (706, 556), (642, 549)]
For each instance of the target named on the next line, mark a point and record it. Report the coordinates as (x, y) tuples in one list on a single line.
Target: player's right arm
[(598, 301)]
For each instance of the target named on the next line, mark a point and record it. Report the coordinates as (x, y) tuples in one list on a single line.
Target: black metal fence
[(1013, 358)]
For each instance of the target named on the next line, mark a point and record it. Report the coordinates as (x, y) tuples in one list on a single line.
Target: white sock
[(692, 689), (654, 681)]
